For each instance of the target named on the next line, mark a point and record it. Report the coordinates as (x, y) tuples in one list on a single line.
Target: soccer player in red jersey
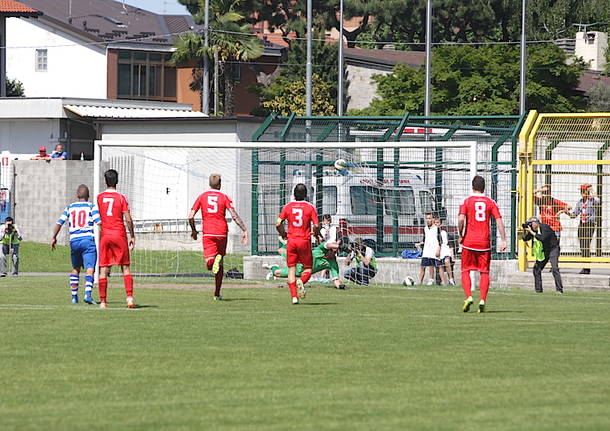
[(114, 245), (214, 205), (473, 227), (301, 216)]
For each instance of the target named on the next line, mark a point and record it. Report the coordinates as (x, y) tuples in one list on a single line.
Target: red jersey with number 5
[(478, 209), (213, 205), (112, 205), (300, 216)]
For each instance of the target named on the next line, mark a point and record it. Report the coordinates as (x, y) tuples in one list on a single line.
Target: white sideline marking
[(512, 319)]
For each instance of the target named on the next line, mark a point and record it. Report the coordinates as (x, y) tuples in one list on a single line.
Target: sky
[(159, 6)]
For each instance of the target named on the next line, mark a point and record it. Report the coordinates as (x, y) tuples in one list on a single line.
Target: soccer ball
[(408, 281), (341, 165)]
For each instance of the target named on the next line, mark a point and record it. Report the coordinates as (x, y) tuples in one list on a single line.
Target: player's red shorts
[(475, 260), (114, 250), (299, 251), (213, 245)]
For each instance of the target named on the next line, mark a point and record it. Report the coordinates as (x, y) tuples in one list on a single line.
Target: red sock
[(103, 287), (209, 263), (466, 283), (293, 289), (484, 285), (128, 282), (218, 280), (305, 276)]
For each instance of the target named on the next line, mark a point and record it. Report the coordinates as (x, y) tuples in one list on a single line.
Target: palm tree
[(230, 37)]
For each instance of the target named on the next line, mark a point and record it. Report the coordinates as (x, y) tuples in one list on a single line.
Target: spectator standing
[(59, 153), (366, 263), (327, 230), (446, 257), (431, 252), (10, 239), (586, 211), (42, 154), (550, 208), (545, 246)]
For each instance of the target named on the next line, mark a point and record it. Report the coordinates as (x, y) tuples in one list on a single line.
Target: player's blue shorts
[(83, 253)]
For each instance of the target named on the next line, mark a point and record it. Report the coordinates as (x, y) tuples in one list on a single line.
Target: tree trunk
[(229, 91)]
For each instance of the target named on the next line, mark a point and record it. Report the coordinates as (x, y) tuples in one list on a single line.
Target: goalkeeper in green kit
[(324, 258)]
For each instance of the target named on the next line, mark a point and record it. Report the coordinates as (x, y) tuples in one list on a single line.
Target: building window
[(41, 60), (146, 75)]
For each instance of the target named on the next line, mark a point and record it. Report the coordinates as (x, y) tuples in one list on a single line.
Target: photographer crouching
[(366, 264), (545, 248), (10, 239)]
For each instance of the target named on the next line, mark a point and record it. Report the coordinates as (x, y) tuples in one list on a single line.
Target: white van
[(351, 198)]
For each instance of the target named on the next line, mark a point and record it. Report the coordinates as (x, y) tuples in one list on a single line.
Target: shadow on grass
[(504, 311), (240, 299), (318, 303)]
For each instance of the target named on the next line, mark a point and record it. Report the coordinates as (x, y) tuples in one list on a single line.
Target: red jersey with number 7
[(478, 209), (112, 205), (213, 205), (300, 216)]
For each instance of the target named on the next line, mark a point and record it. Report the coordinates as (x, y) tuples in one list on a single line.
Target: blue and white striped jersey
[(81, 216)]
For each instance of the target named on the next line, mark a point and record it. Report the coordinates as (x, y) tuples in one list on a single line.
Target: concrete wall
[(362, 90), (42, 191), (74, 70), (25, 136)]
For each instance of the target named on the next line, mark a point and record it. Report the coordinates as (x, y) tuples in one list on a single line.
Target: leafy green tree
[(14, 88), (482, 81), (230, 37), (287, 95)]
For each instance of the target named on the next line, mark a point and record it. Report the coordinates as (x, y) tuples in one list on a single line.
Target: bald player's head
[(215, 181), (82, 192)]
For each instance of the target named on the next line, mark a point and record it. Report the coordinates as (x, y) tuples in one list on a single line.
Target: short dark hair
[(300, 192), (428, 213), (215, 181), (9, 218), (327, 217), (112, 177), (82, 192), (478, 183)]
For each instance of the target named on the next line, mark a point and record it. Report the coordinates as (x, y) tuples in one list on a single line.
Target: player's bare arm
[(132, 235), (56, 230), (502, 229), (461, 226), (191, 219), (316, 233), (279, 226), (240, 223)]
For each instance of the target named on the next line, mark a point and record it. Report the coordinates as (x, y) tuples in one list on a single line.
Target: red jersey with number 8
[(112, 205), (300, 216), (478, 209), (213, 205)]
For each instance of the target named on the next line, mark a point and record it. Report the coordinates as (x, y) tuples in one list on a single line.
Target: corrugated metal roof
[(129, 112)]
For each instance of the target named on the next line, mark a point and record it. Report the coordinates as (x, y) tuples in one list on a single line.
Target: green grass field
[(361, 359)]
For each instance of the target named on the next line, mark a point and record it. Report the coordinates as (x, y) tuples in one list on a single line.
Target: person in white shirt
[(446, 256), (431, 252), (327, 230)]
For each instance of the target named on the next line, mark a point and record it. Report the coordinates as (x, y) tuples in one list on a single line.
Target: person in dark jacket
[(545, 247)]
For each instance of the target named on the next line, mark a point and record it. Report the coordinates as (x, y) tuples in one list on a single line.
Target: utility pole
[(341, 72), (522, 78), (427, 88), (308, 67), (205, 91)]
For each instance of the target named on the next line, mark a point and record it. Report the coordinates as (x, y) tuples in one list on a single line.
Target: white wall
[(361, 90), (25, 136), (74, 69)]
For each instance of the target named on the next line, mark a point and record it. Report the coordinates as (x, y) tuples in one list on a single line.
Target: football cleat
[(481, 306), (301, 291), (103, 305), (218, 298), (270, 276), (341, 286), (467, 303), (89, 300), (216, 265), (130, 302), (430, 282), (295, 300), (267, 265), (74, 299)]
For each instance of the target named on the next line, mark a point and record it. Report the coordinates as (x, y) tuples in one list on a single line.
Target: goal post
[(379, 192)]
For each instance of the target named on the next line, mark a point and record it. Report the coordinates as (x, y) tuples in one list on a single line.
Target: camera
[(526, 225)]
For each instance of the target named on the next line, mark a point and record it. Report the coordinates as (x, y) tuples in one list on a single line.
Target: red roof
[(14, 8)]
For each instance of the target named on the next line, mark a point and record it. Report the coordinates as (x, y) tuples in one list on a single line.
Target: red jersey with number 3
[(213, 205), (112, 205), (478, 209), (300, 216)]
